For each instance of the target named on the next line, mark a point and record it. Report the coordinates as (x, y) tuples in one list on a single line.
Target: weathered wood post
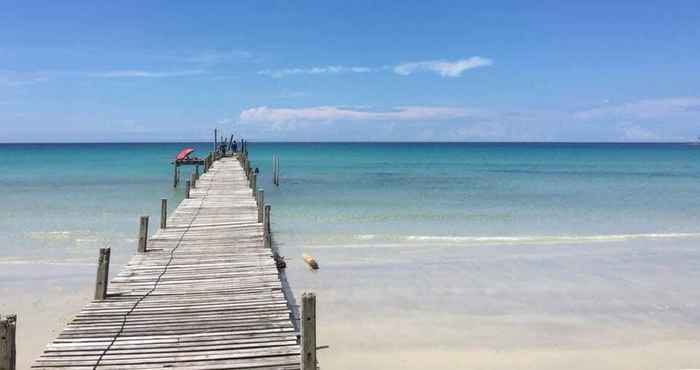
[(163, 213), (176, 174), (143, 232), (196, 171), (308, 331), (253, 182), (193, 181), (266, 227), (261, 204), (8, 345), (187, 189), (102, 278), (215, 139)]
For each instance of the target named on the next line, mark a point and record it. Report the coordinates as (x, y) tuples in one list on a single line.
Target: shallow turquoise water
[(62, 201), (426, 250)]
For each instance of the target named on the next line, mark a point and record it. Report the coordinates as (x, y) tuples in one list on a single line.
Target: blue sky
[(350, 71)]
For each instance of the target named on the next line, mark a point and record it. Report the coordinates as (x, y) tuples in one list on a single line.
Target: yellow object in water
[(310, 261)]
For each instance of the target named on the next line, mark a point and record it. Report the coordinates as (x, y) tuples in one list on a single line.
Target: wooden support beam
[(143, 231), (193, 181), (308, 331), (163, 213), (8, 345), (187, 189), (102, 278), (253, 181)]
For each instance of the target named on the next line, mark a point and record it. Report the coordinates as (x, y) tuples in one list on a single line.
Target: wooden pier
[(206, 293)]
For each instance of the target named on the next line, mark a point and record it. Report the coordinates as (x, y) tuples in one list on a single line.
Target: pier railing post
[(193, 181), (8, 344), (261, 204), (266, 227), (176, 174), (308, 331), (143, 232), (102, 278), (163, 213), (187, 189), (253, 182)]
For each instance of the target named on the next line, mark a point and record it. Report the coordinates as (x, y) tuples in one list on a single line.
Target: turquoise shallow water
[(62, 201), (526, 256)]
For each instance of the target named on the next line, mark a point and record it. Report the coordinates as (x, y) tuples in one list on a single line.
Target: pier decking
[(205, 295)]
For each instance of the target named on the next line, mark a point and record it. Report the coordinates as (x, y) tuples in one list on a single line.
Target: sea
[(455, 255)]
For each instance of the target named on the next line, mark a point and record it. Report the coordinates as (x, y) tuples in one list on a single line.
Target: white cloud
[(645, 109), (137, 73), (666, 119), (333, 113), (444, 68), (279, 73), (636, 133)]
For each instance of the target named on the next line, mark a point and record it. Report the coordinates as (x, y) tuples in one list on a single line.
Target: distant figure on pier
[(256, 171)]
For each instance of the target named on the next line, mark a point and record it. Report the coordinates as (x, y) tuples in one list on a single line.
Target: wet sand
[(44, 296)]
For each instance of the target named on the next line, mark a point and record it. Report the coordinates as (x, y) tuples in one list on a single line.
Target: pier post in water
[(253, 182), (8, 347), (143, 232), (193, 181), (266, 227), (261, 204), (308, 331), (163, 213), (176, 175), (102, 278), (187, 189)]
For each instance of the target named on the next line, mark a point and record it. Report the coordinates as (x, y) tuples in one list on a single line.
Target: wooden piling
[(187, 189), (143, 231), (8, 345), (102, 278), (267, 235), (196, 171), (261, 204), (193, 181), (253, 181), (176, 175), (276, 170), (163, 213), (308, 331)]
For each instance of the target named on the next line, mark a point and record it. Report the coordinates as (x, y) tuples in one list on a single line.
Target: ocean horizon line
[(348, 142)]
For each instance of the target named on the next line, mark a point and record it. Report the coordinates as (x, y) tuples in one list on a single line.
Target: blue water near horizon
[(65, 200)]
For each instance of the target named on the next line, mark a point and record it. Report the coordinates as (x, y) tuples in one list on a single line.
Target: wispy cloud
[(644, 109), (19, 79), (334, 113), (218, 57), (137, 73), (444, 68), (663, 119), (337, 69)]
